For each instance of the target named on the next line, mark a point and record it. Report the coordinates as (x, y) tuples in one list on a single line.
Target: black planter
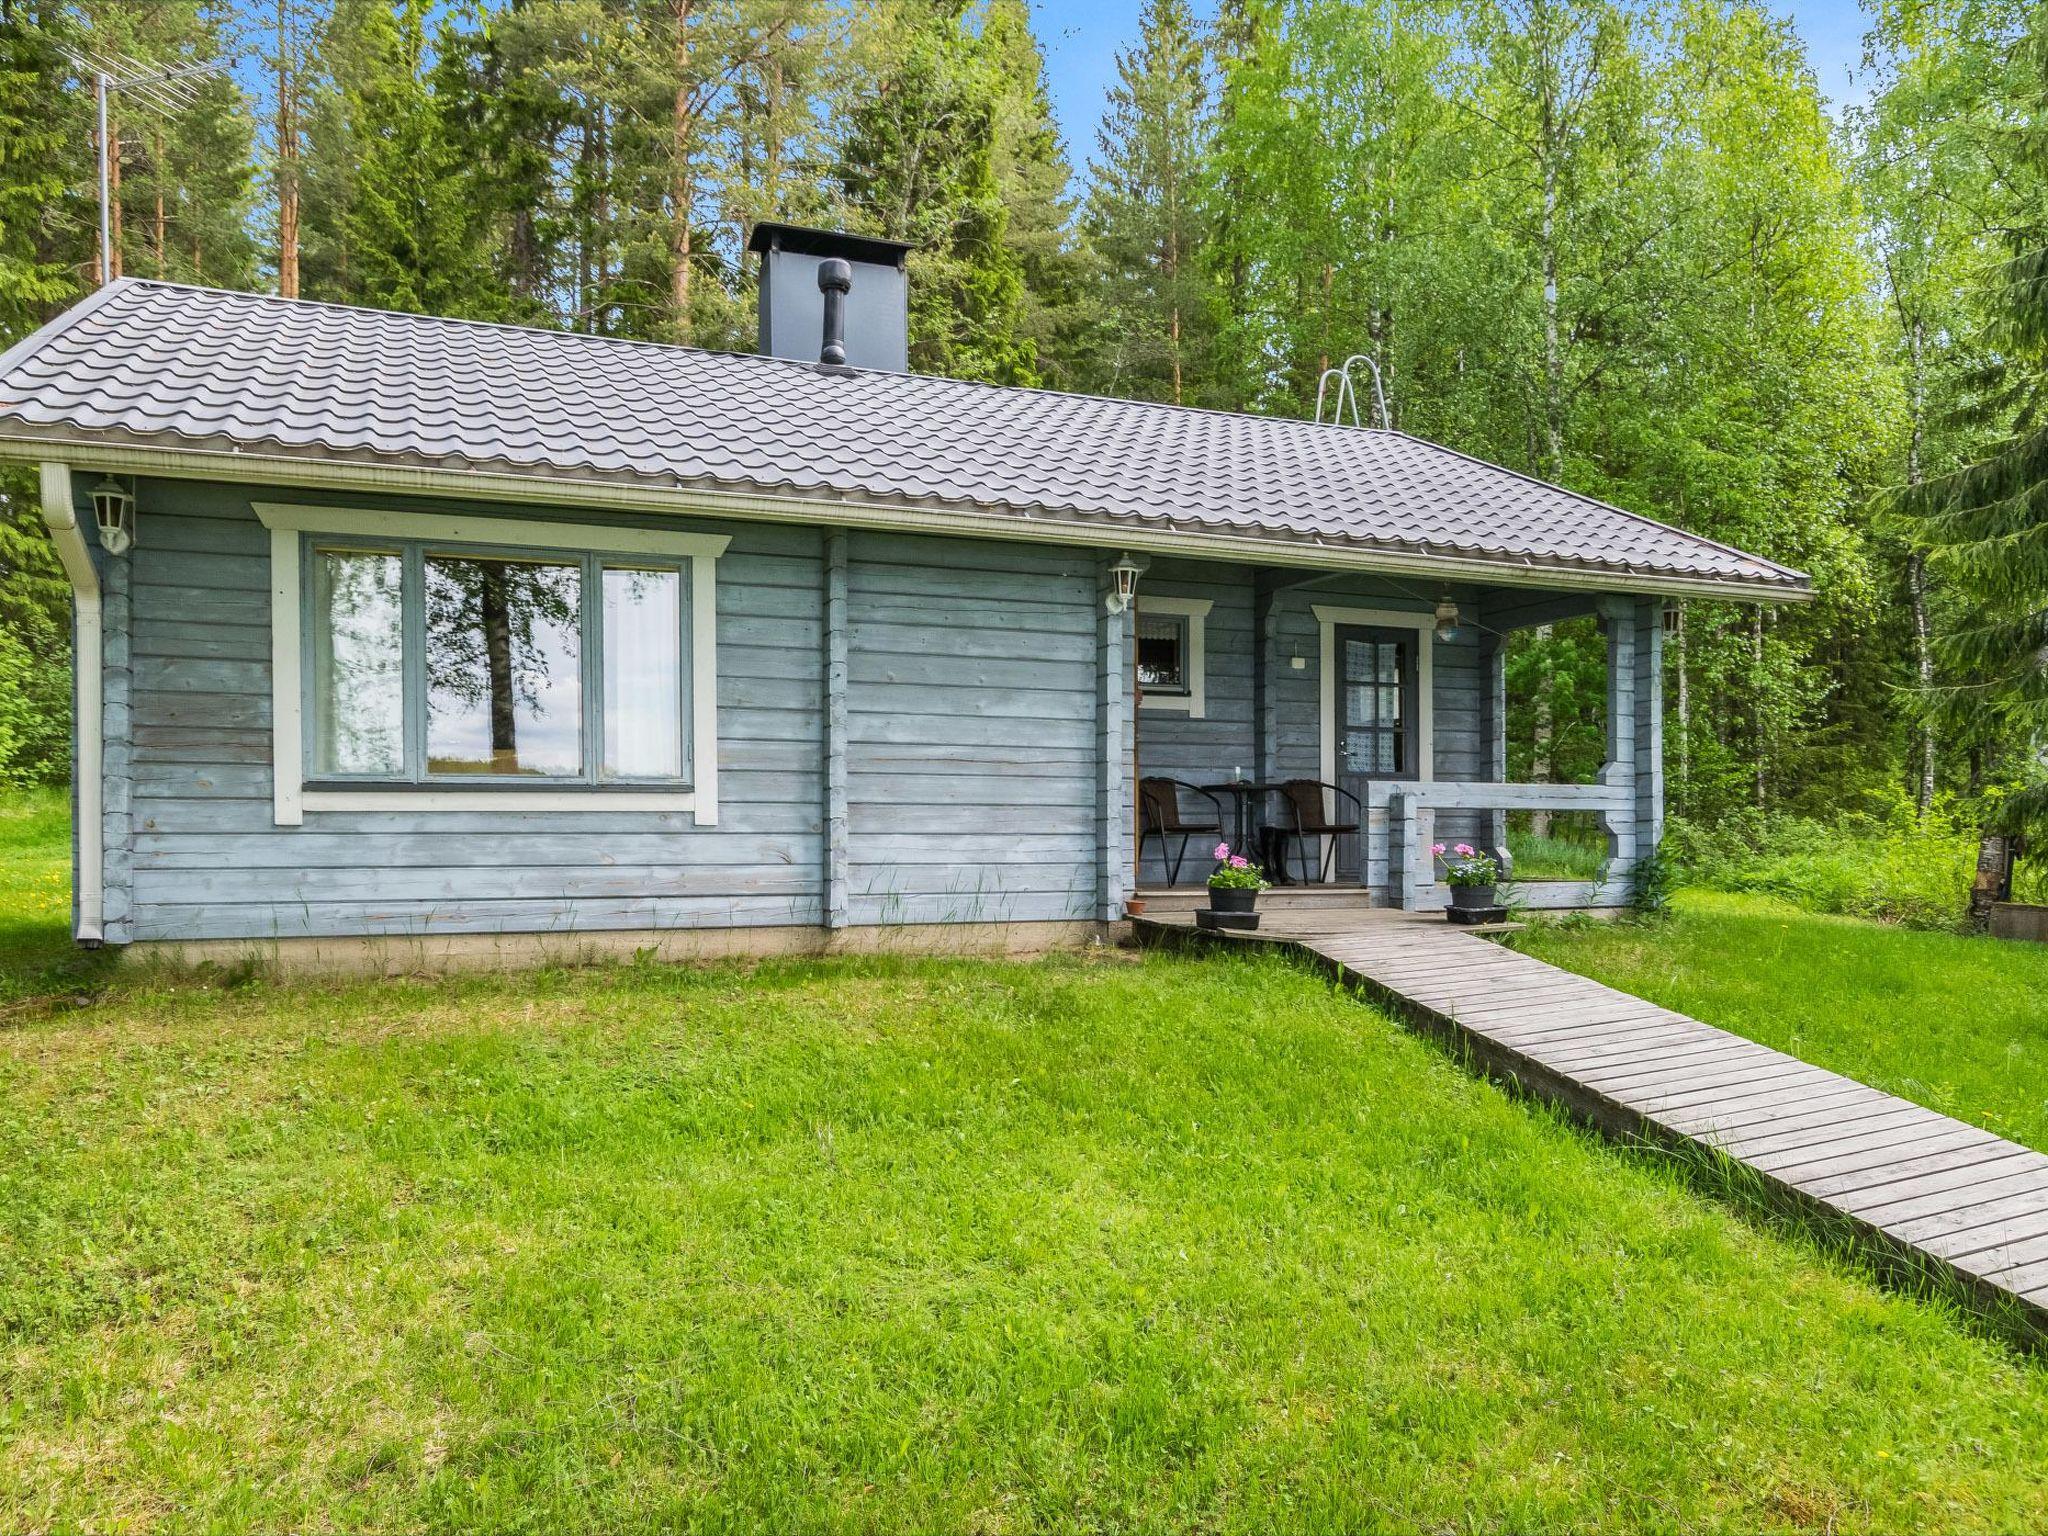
[(1232, 900), (1471, 895)]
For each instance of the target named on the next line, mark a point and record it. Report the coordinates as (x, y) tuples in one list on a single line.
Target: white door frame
[(1330, 618)]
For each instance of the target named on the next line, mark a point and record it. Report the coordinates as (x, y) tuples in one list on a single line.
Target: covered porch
[(1287, 701)]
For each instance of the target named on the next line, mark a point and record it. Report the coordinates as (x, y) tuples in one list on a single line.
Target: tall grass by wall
[(1889, 866)]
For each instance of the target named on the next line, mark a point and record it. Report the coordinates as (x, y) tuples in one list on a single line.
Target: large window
[(429, 664), (476, 660)]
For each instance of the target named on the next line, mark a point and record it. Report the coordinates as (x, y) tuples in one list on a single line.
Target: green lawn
[(1958, 1024), (1121, 1244)]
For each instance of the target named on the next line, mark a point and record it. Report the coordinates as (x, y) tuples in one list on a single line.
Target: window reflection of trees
[(502, 634), (360, 688)]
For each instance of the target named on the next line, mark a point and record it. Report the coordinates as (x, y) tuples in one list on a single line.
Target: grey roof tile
[(158, 364)]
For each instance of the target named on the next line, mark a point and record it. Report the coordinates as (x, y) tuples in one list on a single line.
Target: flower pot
[(1232, 900), (1472, 896)]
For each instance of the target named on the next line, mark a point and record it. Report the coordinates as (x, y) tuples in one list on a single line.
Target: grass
[(1555, 858), (36, 953), (1110, 1244), (1958, 1024)]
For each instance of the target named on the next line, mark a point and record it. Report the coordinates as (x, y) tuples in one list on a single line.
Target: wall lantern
[(1125, 575), (113, 510), (1446, 619)]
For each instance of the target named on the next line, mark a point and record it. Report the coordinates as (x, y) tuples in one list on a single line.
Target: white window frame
[(1331, 618), (1195, 610), (288, 525)]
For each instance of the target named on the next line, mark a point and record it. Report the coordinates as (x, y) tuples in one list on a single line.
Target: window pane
[(504, 692), (1162, 652), (358, 662), (643, 675)]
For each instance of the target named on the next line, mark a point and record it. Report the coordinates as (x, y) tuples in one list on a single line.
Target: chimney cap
[(805, 241)]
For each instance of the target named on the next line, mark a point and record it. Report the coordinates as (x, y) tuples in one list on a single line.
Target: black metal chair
[(1304, 814), (1159, 800)]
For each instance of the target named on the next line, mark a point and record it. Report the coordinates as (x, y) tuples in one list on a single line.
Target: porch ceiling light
[(113, 512), (1446, 619), (1125, 574)]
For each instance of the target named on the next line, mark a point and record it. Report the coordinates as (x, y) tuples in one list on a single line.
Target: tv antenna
[(169, 91)]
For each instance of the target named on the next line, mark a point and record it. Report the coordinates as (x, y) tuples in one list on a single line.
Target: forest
[(1625, 245)]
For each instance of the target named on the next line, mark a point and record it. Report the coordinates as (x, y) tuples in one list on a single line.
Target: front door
[(1376, 716)]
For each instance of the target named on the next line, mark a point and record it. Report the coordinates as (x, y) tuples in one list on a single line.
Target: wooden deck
[(1934, 1197)]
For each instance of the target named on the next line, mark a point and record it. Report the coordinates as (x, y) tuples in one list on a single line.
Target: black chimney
[(835, 281), (809, 276)]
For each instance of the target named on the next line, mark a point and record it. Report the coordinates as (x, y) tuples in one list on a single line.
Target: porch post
[(1116, 793), (1620, 614), (835, 848), (1266, 613), (1649, 725), (1493, 728)]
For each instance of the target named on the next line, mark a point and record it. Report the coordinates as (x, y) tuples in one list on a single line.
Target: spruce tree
[(1033, 178), (916, 162), (1145, 214), (1987, 522), (390, 219)]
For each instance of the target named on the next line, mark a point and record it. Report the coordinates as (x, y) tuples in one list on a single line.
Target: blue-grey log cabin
[(413, 638)]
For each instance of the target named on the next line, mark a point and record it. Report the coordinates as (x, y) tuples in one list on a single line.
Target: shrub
[(1890, 866)]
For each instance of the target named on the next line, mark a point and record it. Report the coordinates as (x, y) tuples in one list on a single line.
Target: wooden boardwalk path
[(1935, 1196)]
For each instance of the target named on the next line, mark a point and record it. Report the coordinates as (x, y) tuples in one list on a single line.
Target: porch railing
[(1400, 827)]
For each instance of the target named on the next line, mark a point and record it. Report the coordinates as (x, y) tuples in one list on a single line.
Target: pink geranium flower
[(1465, 849), (1237, 863), (1437, 849), (1222, 851)]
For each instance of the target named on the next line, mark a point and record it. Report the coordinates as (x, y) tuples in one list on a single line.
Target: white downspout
[(72, 551)]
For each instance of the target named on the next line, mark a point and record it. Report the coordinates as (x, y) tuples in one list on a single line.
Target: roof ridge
[(638, 343)]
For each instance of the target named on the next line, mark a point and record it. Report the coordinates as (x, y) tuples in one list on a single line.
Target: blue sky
[(1081, 39)]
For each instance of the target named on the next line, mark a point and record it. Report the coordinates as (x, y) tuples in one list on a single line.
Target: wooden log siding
[(912, 729), (210, 863), (973, 731)]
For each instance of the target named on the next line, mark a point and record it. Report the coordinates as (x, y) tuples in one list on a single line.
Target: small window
[(1163, 653), (1171, 636), (431, 665)]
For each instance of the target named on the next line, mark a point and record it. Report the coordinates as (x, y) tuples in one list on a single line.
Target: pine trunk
[(682, 184), (287, 160)]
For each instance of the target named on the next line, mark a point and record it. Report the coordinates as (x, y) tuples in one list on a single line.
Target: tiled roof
[(158, 365)]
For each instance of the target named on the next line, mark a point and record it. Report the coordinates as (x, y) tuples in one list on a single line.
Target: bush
[(1889, 866)]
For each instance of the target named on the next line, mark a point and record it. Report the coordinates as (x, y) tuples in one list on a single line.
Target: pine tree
[(1145, 213)]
